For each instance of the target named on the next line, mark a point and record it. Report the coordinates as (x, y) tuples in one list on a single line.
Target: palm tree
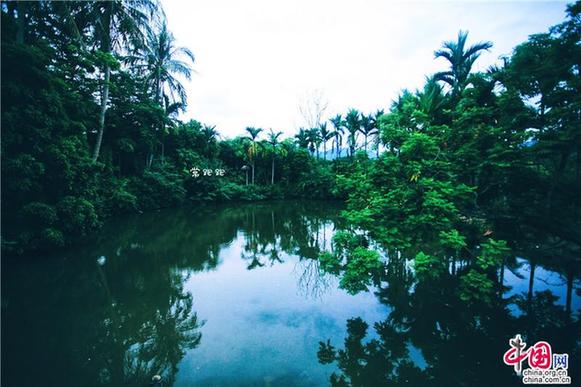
[(367, 128), (302, 138), (337, 122), (460, 59), (314, 141), (119, 24), (210, 134), (352, 123), (325, 135), (162, 60), (376, 117), (274, 142), (431, 99), (252, 150)]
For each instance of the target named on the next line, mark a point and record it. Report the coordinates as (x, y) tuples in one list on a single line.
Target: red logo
[(546, 367), (539, 355)]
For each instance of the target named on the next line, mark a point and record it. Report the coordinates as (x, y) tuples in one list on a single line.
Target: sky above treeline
[(258, 61)]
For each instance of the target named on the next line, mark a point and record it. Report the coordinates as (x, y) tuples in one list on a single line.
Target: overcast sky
[(256, 60)]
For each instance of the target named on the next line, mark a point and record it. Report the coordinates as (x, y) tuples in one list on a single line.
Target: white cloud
[(256, 58)]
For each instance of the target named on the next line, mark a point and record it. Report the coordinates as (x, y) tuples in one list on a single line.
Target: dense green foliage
[(472, 154), (90, 96)]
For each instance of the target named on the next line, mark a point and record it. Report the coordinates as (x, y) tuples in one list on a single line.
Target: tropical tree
[(314, 141), (377, 133), (273, 141), (461, 59), (353, 125), (253, 148), (302, 138), (119, 25), (431, 99), (325, 135), (161, 60), (337, 123), (210, 134), (367, 128)]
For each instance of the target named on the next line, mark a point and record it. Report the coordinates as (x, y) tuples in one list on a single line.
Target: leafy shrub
[(234, 191), (51, 237), (77, 216), (476, 287), (330, 262), (428, 266), (493, 253), (119, 199), (452, 239), (360, 265), (158, 189), (39, 214)]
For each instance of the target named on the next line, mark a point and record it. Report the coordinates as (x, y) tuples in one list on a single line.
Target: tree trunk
[(325, 150), (20, 22), (501, 281), (272, 172), (569, 291), (104, 99), (557, 178), (253, 173), (531, 282), (577, 203)]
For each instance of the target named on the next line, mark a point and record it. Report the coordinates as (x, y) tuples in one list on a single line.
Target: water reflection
[(432, 336), (236, 295), (116, 311)]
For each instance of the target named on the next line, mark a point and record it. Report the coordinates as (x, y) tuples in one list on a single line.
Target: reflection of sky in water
[(265, 324), (544, 280), (261, 325)]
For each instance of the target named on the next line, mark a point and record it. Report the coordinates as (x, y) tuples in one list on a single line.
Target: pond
[(233, 295)]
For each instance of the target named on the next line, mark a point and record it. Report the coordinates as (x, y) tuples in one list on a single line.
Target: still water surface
[(232, 295)]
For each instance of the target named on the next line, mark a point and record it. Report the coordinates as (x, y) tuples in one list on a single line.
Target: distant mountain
[(344, 152)]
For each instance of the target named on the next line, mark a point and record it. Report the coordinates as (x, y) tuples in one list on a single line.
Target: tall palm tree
[(431, 99), (461, 60), (325, 135), (352, 123), (210, 134), (274, 142), (119, 24), (161, 60), (376, 117), (367, 128), (337, 123), (314, 141), (302, 138), (253, 149)]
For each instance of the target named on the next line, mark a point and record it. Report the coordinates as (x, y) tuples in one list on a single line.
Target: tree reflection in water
[(457, 343), (120, 323), (130, 318)]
